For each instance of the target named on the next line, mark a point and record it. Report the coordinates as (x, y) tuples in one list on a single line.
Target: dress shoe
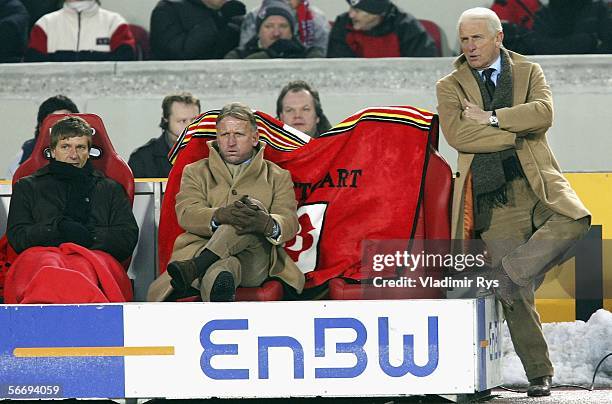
[(223, 289), (539, 386), (183, 273), (506, 288)]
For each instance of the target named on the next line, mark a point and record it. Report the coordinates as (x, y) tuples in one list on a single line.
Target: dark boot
[(539, 386), (183, 273), (223, 289)]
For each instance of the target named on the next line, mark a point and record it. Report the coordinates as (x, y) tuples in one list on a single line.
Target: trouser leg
[(510, 228), (251, 251), (526, 333)]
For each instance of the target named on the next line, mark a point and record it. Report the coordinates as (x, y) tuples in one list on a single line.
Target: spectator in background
[(276, 24), (517, 12), (58, 104), (298, 105), (312, 25), (38, 8), (151, 160), (14, 21), (378, 28), (195, 29), (80, 31), (567, 27)]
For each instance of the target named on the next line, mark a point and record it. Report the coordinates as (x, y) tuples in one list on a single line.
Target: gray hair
[(240, 111), (481, 13)]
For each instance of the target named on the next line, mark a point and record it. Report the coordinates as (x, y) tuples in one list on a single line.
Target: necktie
[(489, 85)]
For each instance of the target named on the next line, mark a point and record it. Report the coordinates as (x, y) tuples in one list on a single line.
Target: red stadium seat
[(434, 30), (103, 155), (143, 46), (433, 223)]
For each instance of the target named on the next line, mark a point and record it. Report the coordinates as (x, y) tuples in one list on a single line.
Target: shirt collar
[(497, 66)]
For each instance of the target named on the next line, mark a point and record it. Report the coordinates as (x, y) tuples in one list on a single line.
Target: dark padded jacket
[(38, 204), (399, 34), (14, 28), (187, 29), (151, 159)]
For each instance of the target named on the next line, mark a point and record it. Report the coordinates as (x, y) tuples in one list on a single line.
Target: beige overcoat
[(522, 126), (207, 185)]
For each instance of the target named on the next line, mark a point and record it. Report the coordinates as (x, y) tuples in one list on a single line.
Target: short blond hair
[(237, 110)]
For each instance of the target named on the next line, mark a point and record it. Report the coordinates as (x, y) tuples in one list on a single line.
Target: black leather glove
[(232, 8), (286, 48), (74, 232)]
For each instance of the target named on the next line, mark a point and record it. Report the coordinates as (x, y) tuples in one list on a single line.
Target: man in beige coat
[(237, 210), (495, 109)]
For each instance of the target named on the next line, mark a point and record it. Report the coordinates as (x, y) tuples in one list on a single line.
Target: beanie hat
[(275, 7), (371, 6)]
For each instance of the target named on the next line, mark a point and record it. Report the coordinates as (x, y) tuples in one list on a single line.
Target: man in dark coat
[(14, 21), (566, 27), (151, 159), (195, 29), (67, 201), (378, 28)]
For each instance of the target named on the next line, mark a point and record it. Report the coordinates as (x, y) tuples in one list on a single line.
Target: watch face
[(493, 120)]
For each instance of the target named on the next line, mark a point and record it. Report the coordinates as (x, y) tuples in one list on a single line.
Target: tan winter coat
[(522, 126), (207, 185)]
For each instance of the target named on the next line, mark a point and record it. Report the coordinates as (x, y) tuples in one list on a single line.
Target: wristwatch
[(493, 121)]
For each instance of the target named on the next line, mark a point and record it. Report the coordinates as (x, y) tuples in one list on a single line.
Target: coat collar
[(45, 171)]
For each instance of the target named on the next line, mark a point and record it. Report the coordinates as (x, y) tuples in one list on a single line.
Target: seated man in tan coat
[(237, 210)]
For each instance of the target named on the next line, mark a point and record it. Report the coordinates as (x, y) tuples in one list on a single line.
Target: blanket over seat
[(362, 180), (66, 274)]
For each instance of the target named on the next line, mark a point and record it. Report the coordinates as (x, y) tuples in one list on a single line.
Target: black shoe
[(506, 288), (223, 289), (539, 386), (183, 273)]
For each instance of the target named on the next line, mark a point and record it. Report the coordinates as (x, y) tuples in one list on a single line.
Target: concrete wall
[(128, 95), (444, 12)]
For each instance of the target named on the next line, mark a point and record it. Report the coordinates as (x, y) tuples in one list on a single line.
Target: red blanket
[(361, 180), (66, 274)]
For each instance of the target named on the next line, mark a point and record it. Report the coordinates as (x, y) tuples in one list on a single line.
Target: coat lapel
[(466, 80)]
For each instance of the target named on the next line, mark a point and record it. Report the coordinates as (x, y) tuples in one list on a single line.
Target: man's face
[(272, 29), (181, 115), (214, 4), (299, 111), (295, 3), (479, 45), (362, 20), (236, 139), (73, 150)]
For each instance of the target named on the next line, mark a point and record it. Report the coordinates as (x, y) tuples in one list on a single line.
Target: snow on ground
[(575, 349)]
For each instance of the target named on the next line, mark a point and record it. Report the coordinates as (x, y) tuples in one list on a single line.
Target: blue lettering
[(355, 347), (287, 342), (408, 365), (211, 349)]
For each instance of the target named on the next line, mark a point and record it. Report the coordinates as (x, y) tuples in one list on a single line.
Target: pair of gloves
[(247, 215), (72, 231)]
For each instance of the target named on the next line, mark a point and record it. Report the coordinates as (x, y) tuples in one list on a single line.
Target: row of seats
[(433, 219)]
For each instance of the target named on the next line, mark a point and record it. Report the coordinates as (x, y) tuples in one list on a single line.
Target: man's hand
[(252, 217), (74, 232), (475, 113), (231, 214)]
